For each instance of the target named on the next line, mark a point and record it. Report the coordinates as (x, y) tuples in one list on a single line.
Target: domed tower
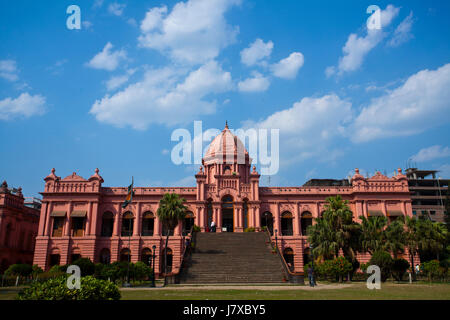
[(226, 157)]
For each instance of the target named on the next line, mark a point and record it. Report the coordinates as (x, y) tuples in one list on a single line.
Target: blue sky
[(110, 94)]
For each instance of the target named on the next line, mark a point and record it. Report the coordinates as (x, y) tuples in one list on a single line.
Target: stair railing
[(291, 277), (187, 255)]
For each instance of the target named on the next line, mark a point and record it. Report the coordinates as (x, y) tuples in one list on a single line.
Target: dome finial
[(226, 124)]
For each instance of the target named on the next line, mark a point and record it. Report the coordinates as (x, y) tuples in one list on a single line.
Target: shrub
[(56, 289), (342, 267), (23, 270), (196, 228), (383, 260), (141, 271), (430, 269), (249, 229), (58, 269), (36, 270), (399, 268), (87, 267)]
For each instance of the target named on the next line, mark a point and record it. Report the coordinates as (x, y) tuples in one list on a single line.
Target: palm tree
[(372, 233), (336, 230), (395, 237), (432, 236), (412, 240), (171, 209)]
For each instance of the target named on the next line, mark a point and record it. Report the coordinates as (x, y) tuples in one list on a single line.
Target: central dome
[(225, 147)]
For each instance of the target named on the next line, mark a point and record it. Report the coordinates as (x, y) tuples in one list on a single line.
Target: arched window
[(148, 224), (188, 222), (146, 256), (76, 254), (55, 257), (105, 256), (286, 224), (288, 255), (127, 224), (306, 221), (125, 255), (107, 224), (227, 170), (169, 260), (267, 221)]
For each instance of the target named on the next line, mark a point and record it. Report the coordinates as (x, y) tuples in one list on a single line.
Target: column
[(137, 224), (257, 218), (94, 217), (87, 227), (117, 221), (276, 218), (42, 218), (383, 208), (156, 226), (296, 220), (219, 218), (48, 220), (67, 224)]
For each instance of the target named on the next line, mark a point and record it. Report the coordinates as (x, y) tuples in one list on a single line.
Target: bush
[(383, 260), (196, 228), (87, 267), (430, 269), (342, 267), (141, 271), (249, 229), (399, 268), (56, 289), (58, 269), (36, 270), (23, 270)]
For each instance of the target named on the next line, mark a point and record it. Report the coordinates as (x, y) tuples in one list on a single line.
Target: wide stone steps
[(232, 258)]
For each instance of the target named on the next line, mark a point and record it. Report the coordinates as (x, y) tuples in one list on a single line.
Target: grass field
[(354, 291)]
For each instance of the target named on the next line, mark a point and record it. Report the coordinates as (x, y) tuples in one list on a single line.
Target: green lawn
[(389, 291)]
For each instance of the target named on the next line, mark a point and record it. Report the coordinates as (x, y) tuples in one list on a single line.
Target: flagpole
[(129, 237)]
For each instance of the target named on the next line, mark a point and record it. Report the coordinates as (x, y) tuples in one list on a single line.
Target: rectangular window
[(58, 224), (77, 227)]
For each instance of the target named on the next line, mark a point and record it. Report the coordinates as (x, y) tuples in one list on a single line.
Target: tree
[(372, 233), (170, 211), (383, 260), (412, 240), (447, 210), (395, 237), (399, 268), (87, 267), (335, 231)]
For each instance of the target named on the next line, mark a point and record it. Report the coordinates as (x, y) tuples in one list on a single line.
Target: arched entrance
[(188, 223), (146, 256), (267, 221), (306, 221), (286, 224), (105, 256), (227, 214), (169, 260), (288, 255)]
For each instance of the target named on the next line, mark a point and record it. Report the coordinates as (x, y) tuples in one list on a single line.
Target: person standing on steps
[(213, 226)]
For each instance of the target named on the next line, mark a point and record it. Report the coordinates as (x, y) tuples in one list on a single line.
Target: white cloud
[(444, 171), (107, 59), (188, 181), (116, 8), (256, 53), (165, 151), (165, 96), (25, 105), (86, 24), (193, 32), (257, 83), (288, 68), (402, 33), (307, 128), (431, 153), (8, 70), (117, 81), (356, 48), (418, 104)]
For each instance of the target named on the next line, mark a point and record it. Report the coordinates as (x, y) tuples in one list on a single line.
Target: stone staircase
[(232, 258)]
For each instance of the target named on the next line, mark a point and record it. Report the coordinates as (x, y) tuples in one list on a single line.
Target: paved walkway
[(263, 287)]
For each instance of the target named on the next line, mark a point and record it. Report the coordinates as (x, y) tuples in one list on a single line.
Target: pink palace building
[(82, 218)]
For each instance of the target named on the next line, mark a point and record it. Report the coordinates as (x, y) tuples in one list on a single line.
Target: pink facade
[(18, 228), (80, 217)]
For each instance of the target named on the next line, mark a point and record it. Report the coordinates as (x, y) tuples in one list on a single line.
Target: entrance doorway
[(227, 214)]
